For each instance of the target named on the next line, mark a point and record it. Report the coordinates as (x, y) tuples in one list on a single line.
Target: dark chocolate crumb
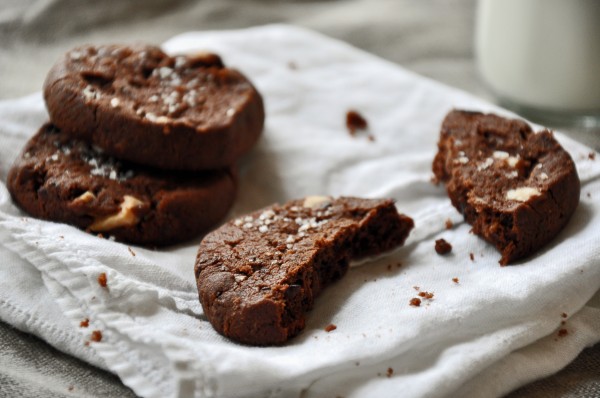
[(85, 323), (442, 247), (449, 223), (563, 332), (355, 121), (96, 336), (330, 328), (389, 372), (564, 315), (102, 279), (389, 267), (415, 302), (455, 280), (592, 155), (472, 256)]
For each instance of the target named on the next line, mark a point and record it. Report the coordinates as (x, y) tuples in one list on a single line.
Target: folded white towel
[(474, 338)]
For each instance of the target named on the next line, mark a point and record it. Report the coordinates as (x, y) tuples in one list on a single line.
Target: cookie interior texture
[(257, 275), (187, 112), (60, 179), (517, 188)]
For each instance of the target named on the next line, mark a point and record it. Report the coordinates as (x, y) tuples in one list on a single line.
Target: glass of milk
[(541, 58)]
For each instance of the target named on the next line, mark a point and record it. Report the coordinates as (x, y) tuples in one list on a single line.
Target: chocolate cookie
[(517, 188), (258, 275), (138, 104), (59, 179)]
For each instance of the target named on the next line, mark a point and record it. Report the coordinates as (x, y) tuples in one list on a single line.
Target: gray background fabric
[(433, 38)]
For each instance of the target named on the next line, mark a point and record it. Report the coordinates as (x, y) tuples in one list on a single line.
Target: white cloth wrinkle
[(155, 336)]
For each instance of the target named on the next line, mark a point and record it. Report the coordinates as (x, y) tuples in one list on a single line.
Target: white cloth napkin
[(491, 332)]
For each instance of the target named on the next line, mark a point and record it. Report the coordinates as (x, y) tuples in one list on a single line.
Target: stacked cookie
[(141, 146)]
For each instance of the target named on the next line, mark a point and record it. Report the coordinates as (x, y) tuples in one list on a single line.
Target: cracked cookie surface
[(516, 187), (187, 112), (59, 179), (257, 275)]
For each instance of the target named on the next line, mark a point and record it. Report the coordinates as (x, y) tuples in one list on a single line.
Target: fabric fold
[(482, 319)]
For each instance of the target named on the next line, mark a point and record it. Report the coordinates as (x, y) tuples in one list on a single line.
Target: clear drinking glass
[(541, 58)]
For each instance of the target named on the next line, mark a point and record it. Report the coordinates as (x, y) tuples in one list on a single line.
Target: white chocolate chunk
[(124, 218), (522, 194), (500, 155), (486, 164), (164, 72), (114, 102), (316, 201), (512, 161), (90, 93), (85, 197)]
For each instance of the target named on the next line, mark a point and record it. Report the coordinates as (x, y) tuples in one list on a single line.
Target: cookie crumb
[(292, 65), (96, 336), (371, 138), (131, 251), (472, 256), (426, 295), (355, 121), (415, 302), (85, 323), (417, 288), (71, 388), (455, 280), (564, 315), (589, 195), (389, 267), (442, 247), (330, 328), (563, 332), (102, 279), (398, 264), (389, 372), (592, 155)]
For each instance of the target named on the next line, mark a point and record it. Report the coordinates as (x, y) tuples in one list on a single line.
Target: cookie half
[(139, 104), (58, 179), (257, 275), (517, 188)]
